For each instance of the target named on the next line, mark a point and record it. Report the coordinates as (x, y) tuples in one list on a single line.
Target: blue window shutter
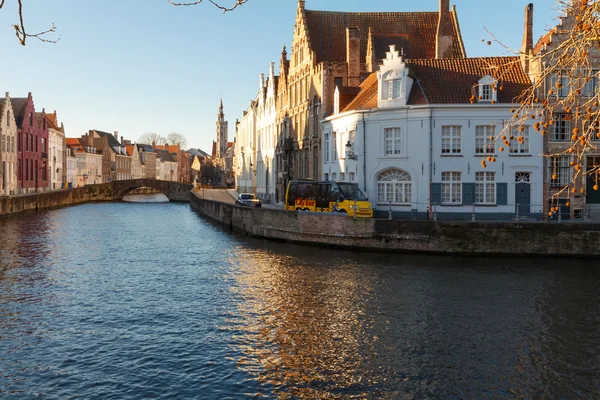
[(468, 194), (501, 194), (436, 193)]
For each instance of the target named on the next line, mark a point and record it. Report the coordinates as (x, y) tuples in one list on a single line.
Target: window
[(326, 146), (561, 128), (342, 177), (394, 186), (392, 88), (451, 139), (590, 85), (351, 176), (516, 146), (334, 144), (484, 139), (30, 119), (337, 81), (334, 176), (485, 188), (393, 141), (560, 171), (326, 177), (451, 188), (562, 88), (485, 93)]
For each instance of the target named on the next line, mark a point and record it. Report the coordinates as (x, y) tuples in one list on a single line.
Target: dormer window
[(392, 84), (487, 90)]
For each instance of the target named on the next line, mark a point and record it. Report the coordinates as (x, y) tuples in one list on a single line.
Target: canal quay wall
[(436, 237), (92, 193)]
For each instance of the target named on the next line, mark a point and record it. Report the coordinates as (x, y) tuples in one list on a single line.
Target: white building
[(8, 148), (166, 166), (422, 136), (71, 168), (245, 144), (136, 162), (57, 149), (256, 138), (89, 163)]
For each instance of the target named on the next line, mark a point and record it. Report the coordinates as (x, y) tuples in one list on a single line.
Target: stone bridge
[(175, 191)]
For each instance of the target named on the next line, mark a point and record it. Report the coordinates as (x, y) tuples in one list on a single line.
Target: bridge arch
[(174, 191)]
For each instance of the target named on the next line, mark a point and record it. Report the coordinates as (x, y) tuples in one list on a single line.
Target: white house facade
[(57, 149), (245, 168), (429, 139), (71, 168)]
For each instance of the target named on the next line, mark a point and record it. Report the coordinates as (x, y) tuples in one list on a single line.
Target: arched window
[(394, 186), (391, 86), (316, 116)]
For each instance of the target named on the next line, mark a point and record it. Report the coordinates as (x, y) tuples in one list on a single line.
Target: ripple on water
[(128, 301)]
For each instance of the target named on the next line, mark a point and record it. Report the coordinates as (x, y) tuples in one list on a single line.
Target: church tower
[(222, 133)]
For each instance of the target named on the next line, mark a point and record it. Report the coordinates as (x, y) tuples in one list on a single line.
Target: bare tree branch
[(213, 2), (22, 35)]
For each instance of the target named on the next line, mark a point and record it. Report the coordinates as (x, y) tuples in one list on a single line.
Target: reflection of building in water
[(307, 337)]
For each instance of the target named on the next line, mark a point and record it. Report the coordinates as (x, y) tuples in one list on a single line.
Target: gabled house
[(148, 160), (8, 148), (136, 162), (166, 166), (89, 162), (57, 151), (120, 161), (431, 138), (32, 146)]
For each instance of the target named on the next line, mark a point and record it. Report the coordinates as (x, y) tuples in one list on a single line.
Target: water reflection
[(132, 301)]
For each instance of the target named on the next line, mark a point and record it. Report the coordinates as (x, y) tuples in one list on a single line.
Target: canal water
[(134, 300)]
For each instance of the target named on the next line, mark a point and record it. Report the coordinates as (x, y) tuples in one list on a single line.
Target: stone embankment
[(104, 192), (475, 238)]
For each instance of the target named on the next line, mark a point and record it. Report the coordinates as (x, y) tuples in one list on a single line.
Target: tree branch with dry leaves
[(213, 2), (563, 102)]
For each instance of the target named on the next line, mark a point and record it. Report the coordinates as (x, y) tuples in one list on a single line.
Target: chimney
[(353, 56), (527, 46), (116, 135), (444, 43)]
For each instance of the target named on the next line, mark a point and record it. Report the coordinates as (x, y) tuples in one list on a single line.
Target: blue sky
[(138, 66)]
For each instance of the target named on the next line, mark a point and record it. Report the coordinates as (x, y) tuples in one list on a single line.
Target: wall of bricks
[(515, 239)]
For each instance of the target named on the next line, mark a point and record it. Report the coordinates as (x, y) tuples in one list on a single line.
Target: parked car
[(248, 200)]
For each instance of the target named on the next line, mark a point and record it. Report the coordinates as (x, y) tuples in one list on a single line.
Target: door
[(523, 192), (593, 179)]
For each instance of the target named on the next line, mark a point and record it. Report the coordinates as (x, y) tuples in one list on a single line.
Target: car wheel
[(307, 210), (343, 211), (298, 209)]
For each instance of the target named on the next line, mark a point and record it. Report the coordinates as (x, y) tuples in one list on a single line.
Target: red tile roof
[(72, 142), (367, 98), (451, 81), (52, 121), (416, 30)]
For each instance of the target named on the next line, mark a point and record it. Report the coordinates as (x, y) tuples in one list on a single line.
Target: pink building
[(32, 146)]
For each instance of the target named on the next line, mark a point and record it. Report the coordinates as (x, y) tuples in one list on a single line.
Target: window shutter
[(502, 195), (468, 193), (436, 193)]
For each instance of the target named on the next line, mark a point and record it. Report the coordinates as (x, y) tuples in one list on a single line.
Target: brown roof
[(327, 32), (19, 105), (230, 144), (543, 41), (52, 120), (367, 98), (129, 150), (453, 81), (72, 141)]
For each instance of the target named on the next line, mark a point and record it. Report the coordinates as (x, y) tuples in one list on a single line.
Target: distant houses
[(37, 156)]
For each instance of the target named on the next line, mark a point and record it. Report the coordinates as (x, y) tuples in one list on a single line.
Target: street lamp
[(349, 153)]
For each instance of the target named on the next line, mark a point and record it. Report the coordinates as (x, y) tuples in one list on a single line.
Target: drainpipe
[(364, 153), (430, 159)]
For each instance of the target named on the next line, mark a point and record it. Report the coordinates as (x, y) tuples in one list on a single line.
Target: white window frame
[(483, 145), (517, 148), (561, 166), (326, 147), (564, 89), (451, 188), (334, 152), (392, 141), (485, 188), (451, 139), (486, 89), (394, 186), (561, 128)]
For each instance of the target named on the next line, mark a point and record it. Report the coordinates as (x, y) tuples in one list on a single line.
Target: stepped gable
[(416, 32), (453, 81), (19, 105)]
